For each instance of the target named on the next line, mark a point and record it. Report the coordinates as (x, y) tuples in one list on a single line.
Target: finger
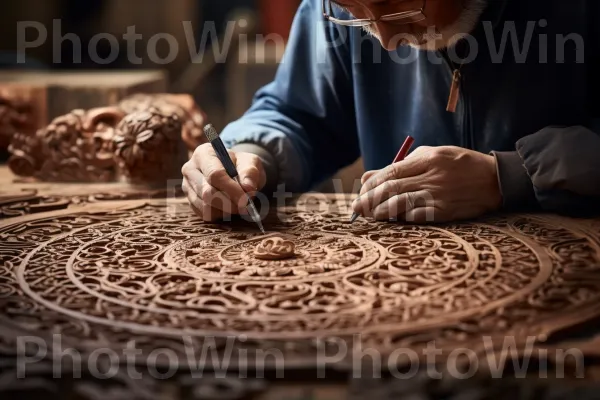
[(196, 210), (369, 201), (367, 175), (401, 204), (194, 199), (211, 214), (192, 178), (205, 211), (219, 200), (211, 167), (184, 186), (419, 151), (402, 169), (422, 215), (252, 173), (195, 182)]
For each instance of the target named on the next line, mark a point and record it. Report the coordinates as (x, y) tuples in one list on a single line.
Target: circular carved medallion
[(105, 273)]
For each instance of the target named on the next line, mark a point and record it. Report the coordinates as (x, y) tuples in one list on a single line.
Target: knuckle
[(390, 173), (436, 156), (206, 193), (410, 201), (216, 176), (253, 158), (251, 170), (201, 151), (422, 150), (204, 148), (185, 170), (390, 187)]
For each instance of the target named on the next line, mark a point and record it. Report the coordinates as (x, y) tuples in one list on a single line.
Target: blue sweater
[(339, 95)]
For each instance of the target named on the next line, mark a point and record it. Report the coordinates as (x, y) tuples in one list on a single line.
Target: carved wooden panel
[(32, 201), (104, 274), (144, 138), (18, 114)]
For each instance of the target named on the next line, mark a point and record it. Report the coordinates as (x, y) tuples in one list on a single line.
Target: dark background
[(86, 18)]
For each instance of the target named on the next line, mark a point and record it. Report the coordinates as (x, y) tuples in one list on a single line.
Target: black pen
[(223, 155)]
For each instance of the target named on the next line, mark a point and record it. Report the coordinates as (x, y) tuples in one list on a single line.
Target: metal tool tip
[(354, 217), (210, 132), (260, 225)]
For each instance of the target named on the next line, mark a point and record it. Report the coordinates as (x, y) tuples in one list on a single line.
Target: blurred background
[(208, 81), (248, 38)]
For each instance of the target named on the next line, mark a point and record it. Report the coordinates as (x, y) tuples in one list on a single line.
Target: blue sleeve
[(305, 119)]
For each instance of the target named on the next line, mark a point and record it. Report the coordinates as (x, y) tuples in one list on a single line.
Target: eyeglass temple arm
[(327, 14)]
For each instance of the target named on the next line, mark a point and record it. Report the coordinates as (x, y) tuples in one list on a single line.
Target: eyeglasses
[(402, 18)]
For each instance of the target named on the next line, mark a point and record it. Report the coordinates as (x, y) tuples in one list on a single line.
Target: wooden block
[(52, 94)]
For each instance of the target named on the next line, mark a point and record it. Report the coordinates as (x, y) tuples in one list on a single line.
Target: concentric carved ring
[(94, 275)]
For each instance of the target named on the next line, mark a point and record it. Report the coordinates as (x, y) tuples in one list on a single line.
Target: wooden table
[(104, 274)]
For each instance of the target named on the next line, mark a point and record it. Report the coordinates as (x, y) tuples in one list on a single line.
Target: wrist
[(494, 190), (515, 184)]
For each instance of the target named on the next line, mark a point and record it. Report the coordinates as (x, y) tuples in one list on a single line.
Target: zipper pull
[(454, 92)]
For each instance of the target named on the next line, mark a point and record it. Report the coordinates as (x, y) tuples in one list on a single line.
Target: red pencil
[(402, 153), (404, 149)]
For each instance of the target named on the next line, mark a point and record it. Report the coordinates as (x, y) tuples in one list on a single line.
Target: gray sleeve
[(556, 169)]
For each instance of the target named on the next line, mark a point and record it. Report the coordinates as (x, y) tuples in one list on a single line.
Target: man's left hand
[(433, 184)]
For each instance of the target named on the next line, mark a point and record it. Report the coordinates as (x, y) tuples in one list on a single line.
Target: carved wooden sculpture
[(76, 147), (16, 115), (192, 118), (148, 146), (150, 271), (103, 144)]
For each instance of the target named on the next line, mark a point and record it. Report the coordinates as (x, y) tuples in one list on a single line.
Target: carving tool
[(223, 155), (402, 153)]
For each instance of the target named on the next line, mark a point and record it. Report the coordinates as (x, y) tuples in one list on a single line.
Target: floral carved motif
[(106, 274), (274, 248), (144, 138)]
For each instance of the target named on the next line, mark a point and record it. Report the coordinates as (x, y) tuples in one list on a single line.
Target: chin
[(425, 44), (421, 41)]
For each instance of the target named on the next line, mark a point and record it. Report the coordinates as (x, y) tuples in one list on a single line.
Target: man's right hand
[(212, 194)]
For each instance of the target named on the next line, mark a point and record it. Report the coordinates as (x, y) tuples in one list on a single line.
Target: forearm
[(305, 119)]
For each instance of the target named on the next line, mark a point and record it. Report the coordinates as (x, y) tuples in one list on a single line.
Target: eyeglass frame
[(361, 22)]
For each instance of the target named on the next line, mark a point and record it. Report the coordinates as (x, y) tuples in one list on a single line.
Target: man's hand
[(212, 194), (433, 184)]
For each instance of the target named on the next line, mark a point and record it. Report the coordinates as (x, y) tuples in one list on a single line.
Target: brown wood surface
[(106, 272)]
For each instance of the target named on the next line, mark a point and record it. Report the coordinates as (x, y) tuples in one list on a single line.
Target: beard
[(436, 39)]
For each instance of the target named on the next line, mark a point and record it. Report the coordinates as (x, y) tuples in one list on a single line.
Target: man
[(501, 97)]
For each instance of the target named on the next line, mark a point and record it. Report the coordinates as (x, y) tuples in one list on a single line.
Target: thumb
[(251, 172)]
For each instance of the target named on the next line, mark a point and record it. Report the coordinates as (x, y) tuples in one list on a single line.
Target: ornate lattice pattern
[(106, 273)]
